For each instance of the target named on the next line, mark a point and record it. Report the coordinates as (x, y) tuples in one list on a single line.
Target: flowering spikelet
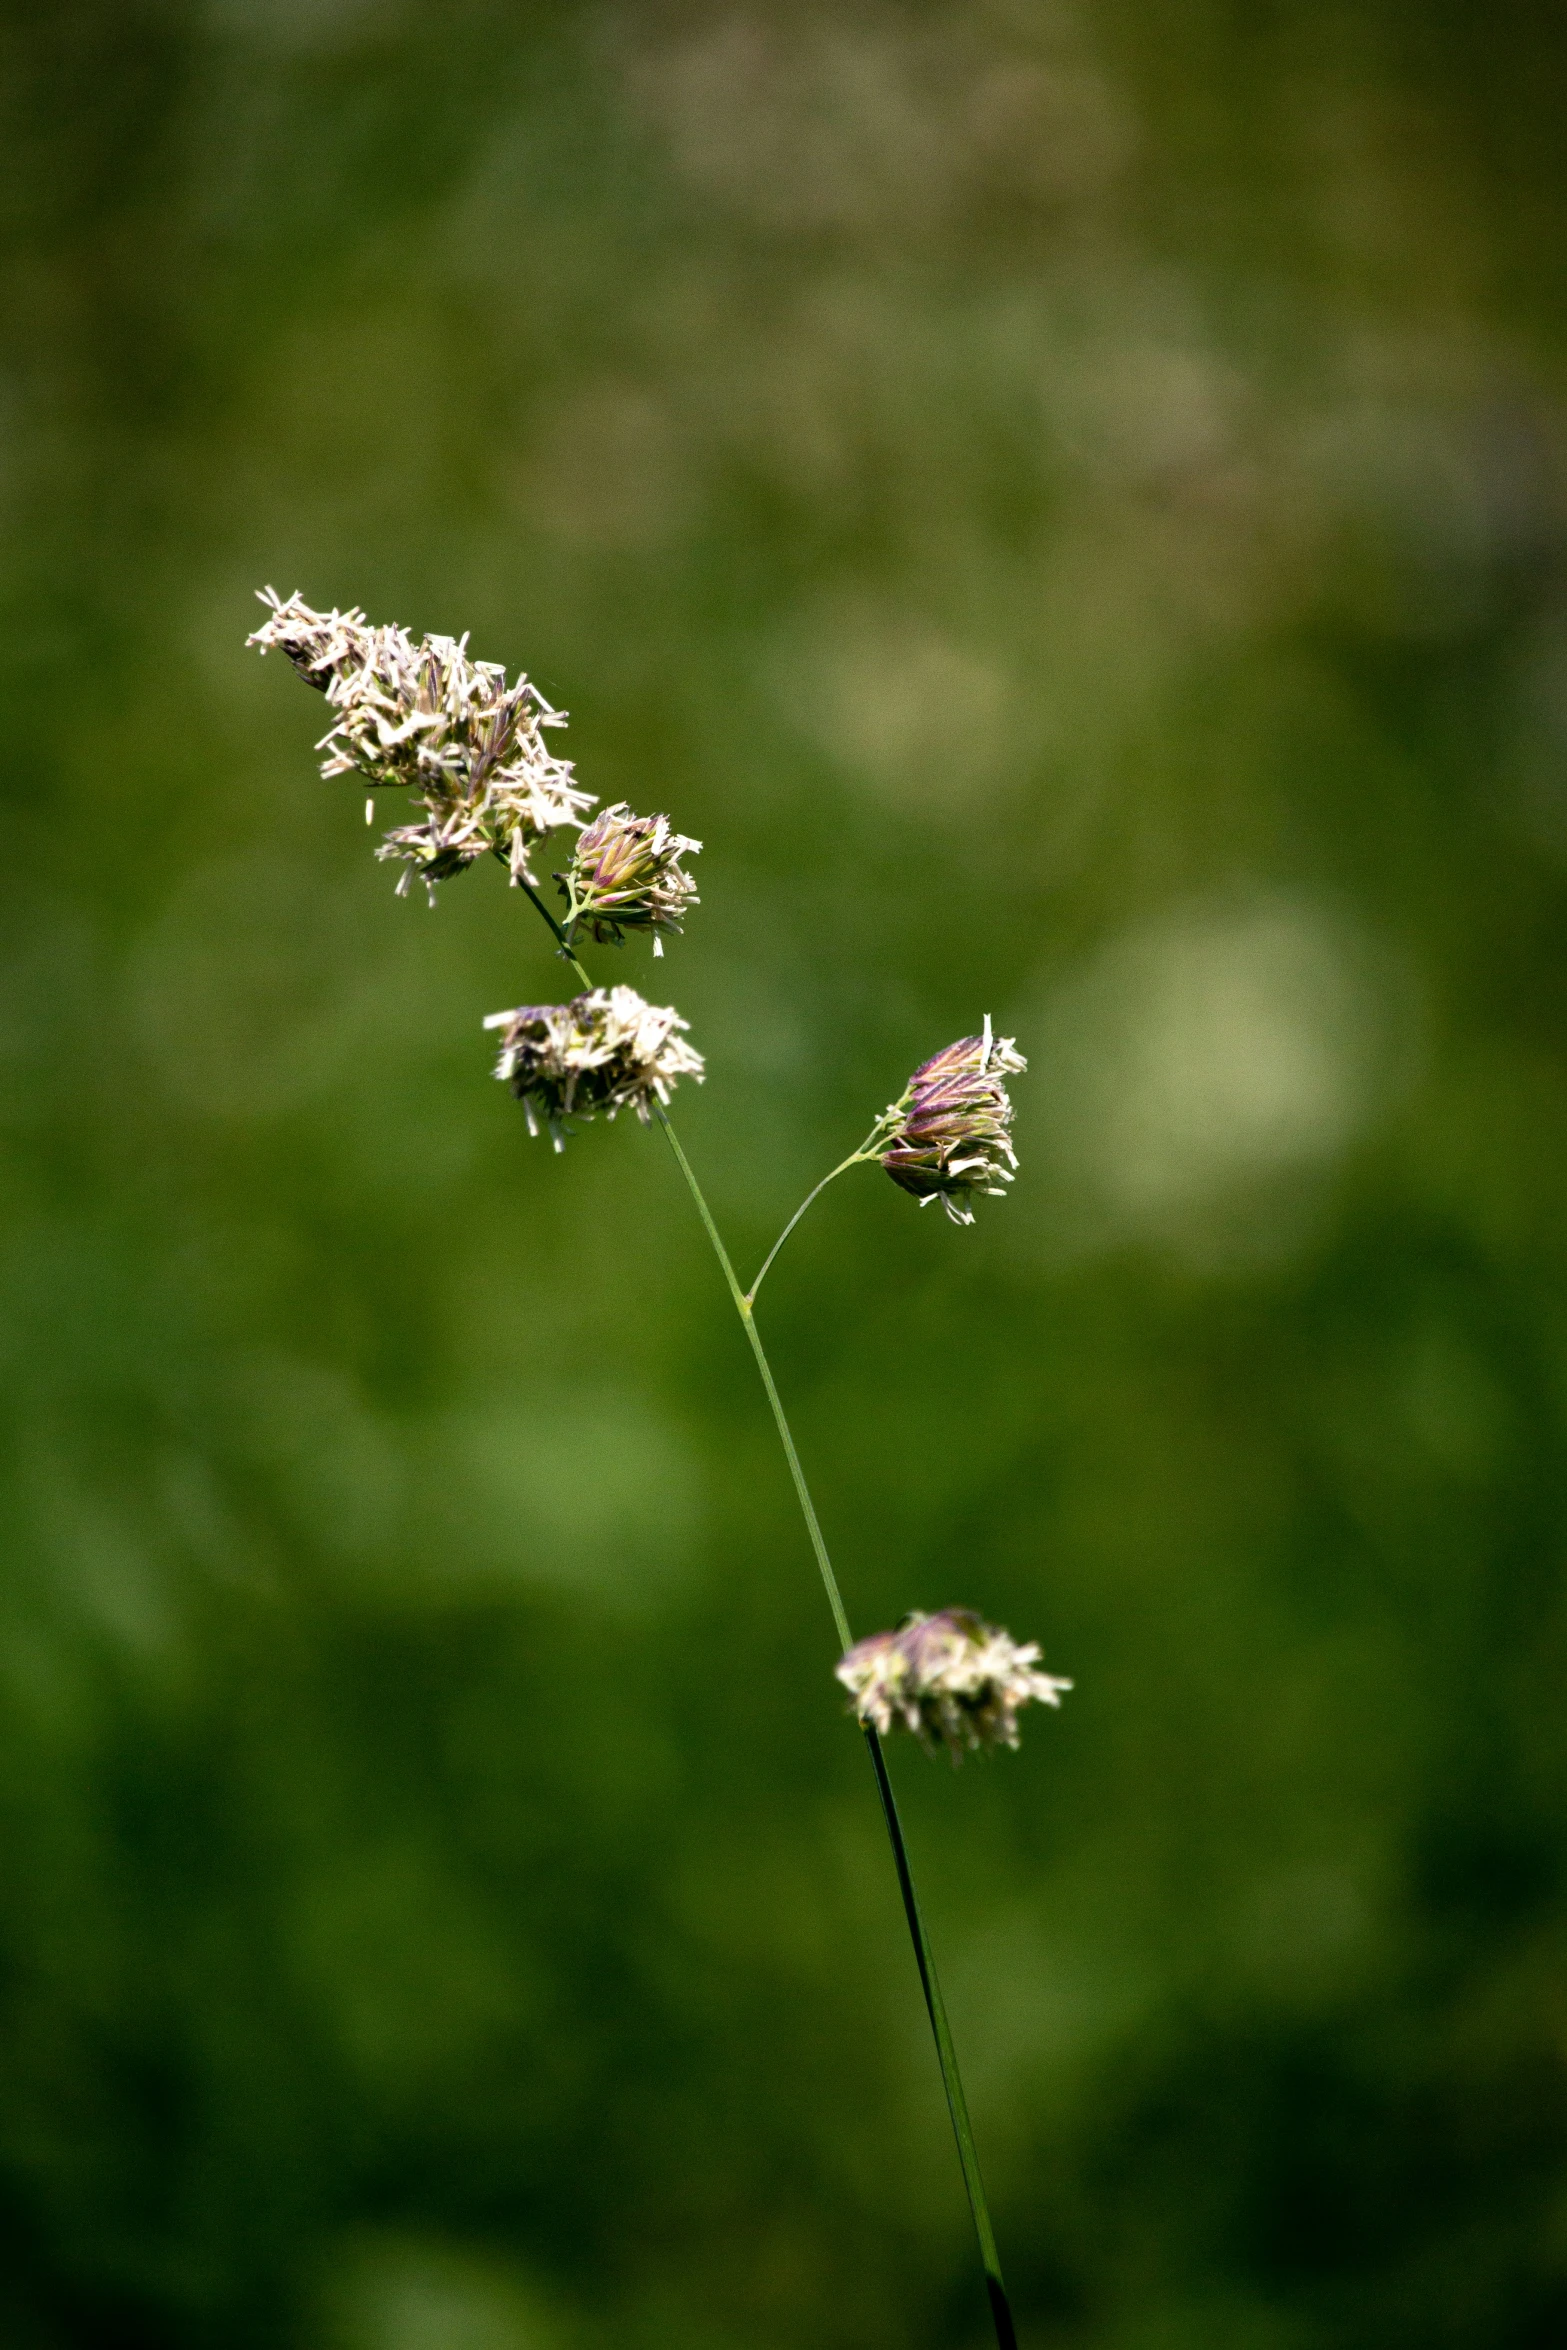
[(625, 874), (469, 745), (953, 1133), (602, 1051), (950, 1678)]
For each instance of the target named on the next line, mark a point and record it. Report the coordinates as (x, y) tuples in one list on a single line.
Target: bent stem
[(924, 1956), (743, 1309), (856, 1158)]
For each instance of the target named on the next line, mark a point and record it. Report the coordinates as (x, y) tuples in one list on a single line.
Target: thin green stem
[(924, 1956), (562, 939), (856, 1158), (743, 1309), (952, 2079)]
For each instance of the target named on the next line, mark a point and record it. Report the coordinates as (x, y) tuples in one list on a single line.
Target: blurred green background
[(1068, 502)]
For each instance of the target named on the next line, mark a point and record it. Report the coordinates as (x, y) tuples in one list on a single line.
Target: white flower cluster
[(604, 1051), (425, 716), (626, 874), (950, 1678)]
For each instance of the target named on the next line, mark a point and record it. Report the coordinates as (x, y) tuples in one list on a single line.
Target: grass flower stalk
[(468, 749), (924, 1955)]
